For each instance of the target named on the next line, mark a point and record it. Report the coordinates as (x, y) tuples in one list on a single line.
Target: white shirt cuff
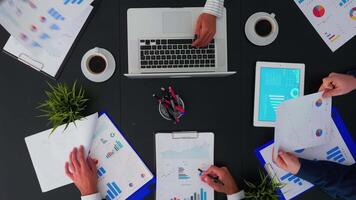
[(96, 196), (214, 7), (237, 196)]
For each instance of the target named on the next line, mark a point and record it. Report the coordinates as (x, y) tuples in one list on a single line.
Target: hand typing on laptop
[(205, 30), (206, 24)]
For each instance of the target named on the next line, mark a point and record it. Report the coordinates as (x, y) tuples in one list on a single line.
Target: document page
[(178, 160), (335, 150), (50, 151), (121, 172), (328, 17), (35, 24), (303, 123)]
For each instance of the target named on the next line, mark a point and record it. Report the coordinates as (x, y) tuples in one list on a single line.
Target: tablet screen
[(276, 86)]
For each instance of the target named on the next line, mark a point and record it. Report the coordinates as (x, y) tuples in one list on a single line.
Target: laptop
[(159, 45)]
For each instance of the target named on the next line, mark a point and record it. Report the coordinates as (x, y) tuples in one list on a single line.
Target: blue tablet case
[(344, 134), (149, 187)]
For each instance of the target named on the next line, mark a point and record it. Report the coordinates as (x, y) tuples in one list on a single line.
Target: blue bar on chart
[(291, 178), (343, 2), (203, 195), (101, 171), (55, 14), (118, 145), (336, 155), (73, 1), (113, 191)]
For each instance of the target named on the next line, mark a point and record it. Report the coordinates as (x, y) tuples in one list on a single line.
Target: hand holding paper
[(303, 123), (337, 84), (287, 162)]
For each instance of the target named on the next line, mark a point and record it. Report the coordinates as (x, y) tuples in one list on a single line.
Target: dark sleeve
[(352, 72), (337, 180)]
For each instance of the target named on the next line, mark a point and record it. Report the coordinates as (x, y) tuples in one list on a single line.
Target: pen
[(215, 179)]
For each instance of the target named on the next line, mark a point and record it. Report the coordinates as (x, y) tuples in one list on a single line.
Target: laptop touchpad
[(177, 22)]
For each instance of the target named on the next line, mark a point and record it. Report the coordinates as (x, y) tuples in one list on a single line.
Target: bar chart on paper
[(113, 191), (201, 195), (101, 171), (73, 2), (291, 178), (335, 154)]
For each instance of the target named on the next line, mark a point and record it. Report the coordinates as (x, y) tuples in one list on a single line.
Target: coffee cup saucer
[(250, 31), (107, 73)]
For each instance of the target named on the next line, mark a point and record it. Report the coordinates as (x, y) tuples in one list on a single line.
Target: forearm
[(214, 7), (335, 179)]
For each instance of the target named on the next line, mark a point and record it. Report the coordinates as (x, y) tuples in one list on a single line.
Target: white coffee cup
[(98, 65), (265, 36)]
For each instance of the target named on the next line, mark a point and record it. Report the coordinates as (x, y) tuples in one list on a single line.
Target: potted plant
[(266, 189), (64, 104)]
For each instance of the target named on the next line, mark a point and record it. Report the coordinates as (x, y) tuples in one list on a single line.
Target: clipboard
[(179, 155), (50, 66), (345, 136), (149, 187)]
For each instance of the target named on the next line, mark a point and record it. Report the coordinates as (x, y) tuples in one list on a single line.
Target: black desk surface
[(221, 105)]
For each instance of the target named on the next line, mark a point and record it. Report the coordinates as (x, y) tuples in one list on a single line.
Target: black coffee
[(97, 64), (263, 27)]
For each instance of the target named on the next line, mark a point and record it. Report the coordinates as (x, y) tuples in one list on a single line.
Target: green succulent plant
[(64, 104), (265, 190)]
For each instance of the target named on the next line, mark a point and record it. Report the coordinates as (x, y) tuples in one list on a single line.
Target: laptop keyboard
[(175, 53)]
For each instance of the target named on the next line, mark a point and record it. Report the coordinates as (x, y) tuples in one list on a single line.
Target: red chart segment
[(318, 11)]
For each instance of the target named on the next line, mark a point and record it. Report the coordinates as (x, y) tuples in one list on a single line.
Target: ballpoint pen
[(214, 178)]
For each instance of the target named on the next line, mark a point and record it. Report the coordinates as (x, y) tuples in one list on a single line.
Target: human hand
[(229, 187), (205, 30), (287, 162), (82, 172), (337, 84)]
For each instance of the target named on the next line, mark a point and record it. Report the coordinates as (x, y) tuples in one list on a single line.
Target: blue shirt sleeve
[(339, 181)]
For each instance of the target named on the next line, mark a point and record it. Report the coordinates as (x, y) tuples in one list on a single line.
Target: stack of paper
[(42, 33), (334, 20)]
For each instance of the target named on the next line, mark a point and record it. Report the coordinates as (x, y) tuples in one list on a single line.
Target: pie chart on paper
[(353, 13), (319, 11)]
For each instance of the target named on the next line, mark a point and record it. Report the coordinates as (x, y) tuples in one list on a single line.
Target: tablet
[(275, 83)]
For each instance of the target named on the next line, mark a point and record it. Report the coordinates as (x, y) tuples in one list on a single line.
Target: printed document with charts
[(334, 20), (309, 131), (120, 171), (303, 123), (42, 33), (178, 158)]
